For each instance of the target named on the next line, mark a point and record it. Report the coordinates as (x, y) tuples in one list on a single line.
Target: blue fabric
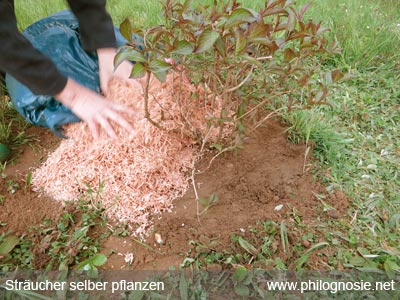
[(57, 37)]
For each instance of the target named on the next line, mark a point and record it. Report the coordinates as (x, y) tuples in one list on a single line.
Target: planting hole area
[(263, 182)]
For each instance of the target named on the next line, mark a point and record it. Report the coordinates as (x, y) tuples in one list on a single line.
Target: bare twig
[(241, 83), (264, 57), (270, 115)]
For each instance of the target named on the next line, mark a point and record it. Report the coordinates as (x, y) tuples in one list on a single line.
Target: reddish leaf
[(259, 30), (336, 75), (126, 30), (289, 54)]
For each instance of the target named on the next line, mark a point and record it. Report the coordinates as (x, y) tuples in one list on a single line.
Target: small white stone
[(158, 239), (278, 207), (129, 257), (384, 152)]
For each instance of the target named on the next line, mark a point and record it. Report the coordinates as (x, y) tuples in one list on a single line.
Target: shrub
[(255, 63)]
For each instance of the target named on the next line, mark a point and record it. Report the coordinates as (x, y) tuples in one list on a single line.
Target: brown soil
[(23, 209), (250, 184)]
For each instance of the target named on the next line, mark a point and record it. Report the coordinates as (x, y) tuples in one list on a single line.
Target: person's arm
[(95, 24), (21, 60)]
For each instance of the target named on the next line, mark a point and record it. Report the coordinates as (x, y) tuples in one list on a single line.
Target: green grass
[(12, 125), (357, 140), (366, 163)]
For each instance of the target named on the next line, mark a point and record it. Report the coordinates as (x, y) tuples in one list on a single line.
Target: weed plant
[(70, 242)]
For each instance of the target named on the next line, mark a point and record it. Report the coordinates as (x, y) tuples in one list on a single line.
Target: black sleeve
[(21, 60), (95, 24)]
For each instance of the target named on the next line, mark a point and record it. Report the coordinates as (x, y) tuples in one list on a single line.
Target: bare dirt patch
[(250, 185), (22, 208)]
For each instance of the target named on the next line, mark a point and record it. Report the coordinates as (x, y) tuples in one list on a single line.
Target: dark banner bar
[(239, 284)]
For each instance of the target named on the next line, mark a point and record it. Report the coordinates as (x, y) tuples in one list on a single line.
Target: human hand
[(94, 109), (106, 69)]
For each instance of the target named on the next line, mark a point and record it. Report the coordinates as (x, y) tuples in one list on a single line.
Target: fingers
[(104, 88), (105, 124), (120, 121), (94, 129), (124, 109), (102, 120)]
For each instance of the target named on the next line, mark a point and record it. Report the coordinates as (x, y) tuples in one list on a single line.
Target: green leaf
[(390, 268), (239, 16), (247, 246), (8, 244), (161, 76), (249, 278), (203, 202), (99, 260), (357, 261), (391, 265), (240, 274), (206, 40), (126, 30), (317, 246), (301, 261), (138, 71), (128, 54), (213, 199), (241, 109), (183, 48), (5, 152), (157, 66), (242, 290), (252, 60), (280, 264), (28, 180), (219, 147), (84, 265), (241, 43), (220, 46)]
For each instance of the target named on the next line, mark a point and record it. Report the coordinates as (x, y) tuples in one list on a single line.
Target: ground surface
[(250, 184)]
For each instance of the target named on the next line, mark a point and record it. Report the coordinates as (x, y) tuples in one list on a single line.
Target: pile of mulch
[(140, 174)]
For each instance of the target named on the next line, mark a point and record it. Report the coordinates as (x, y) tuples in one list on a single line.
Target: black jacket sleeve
[(20, 59), (95, 24)]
